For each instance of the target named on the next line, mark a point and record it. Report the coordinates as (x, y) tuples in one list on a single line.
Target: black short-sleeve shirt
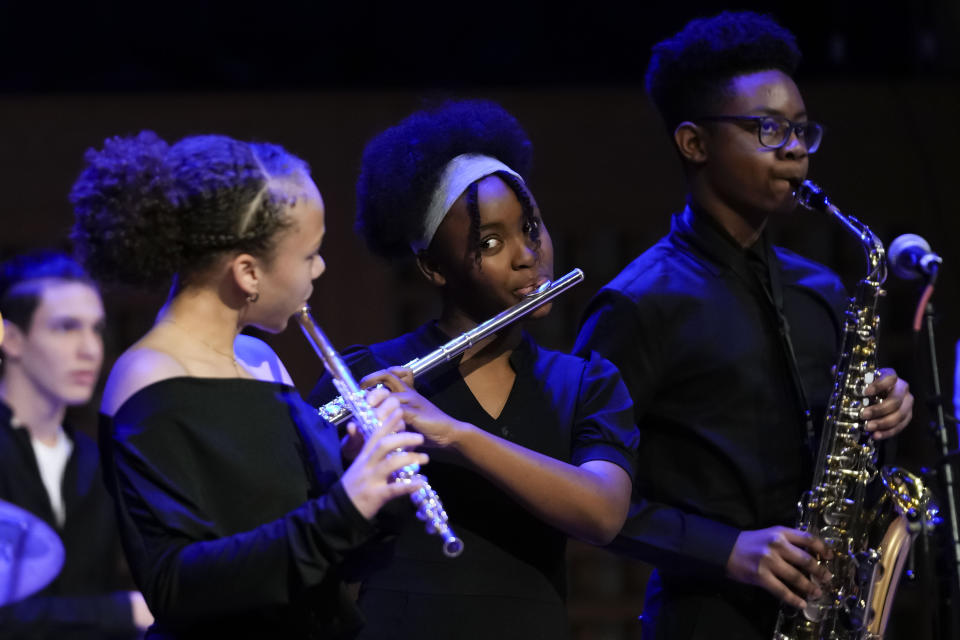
[(510, 580)]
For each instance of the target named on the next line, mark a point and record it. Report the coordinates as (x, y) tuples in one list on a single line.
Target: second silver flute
[(425, 499), (336, 411)]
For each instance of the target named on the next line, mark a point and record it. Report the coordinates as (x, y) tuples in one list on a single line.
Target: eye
[(489, 244), (770, 126), (63, 325)]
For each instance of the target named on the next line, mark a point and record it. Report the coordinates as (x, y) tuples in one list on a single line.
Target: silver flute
[(426, 501), (337, 411)]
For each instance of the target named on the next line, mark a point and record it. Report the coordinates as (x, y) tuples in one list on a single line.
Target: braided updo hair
[(401, 167), (146, 210)]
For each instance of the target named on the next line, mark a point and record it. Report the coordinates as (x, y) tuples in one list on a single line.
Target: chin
[(541, 311), (76, 397), (786, 206), (778, 204), (279, 327)]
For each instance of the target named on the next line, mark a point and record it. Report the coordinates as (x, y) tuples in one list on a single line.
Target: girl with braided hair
[(530, 446), (234, 509)]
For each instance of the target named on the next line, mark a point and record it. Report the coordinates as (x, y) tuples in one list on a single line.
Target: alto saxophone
[(867, 517), (427, 502)]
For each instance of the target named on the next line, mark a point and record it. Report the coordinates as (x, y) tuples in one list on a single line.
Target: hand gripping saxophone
[(427, 502), (865, 516)]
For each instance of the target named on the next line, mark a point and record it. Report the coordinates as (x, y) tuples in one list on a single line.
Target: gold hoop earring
[(253, 297)]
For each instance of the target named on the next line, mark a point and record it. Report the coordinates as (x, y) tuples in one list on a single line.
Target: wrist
[(461, 433)]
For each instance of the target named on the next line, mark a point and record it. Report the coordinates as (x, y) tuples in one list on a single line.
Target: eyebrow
[(766, 111), (71, 318)]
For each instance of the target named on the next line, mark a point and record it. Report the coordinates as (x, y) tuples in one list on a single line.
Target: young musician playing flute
[(235, 512), (529, 446)]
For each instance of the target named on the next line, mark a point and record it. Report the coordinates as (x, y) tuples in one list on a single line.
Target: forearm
[(588, 502), (676, 541), (264, 567)]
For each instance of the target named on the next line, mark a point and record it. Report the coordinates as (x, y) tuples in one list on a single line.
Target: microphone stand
[(945, 464)]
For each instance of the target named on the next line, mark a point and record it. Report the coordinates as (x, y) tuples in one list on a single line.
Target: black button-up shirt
[(724, 444)]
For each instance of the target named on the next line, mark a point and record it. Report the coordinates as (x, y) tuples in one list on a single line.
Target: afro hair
[(401, 166)]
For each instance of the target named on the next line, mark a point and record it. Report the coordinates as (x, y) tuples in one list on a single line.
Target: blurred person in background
[(52, 353)]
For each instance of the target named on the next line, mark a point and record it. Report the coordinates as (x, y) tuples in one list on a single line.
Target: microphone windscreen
[(905, 254)]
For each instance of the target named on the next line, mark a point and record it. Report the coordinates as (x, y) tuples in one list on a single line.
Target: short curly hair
[(690, 72), (146, 210), (402, 164)]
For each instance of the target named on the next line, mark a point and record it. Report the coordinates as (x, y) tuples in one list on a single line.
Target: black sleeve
[(603, 427), (186, 574), (106, 615), (683, 543), (616, 329)]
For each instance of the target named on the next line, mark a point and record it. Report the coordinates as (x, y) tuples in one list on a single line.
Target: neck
[(41, 414), (744, 226), (201, 313)]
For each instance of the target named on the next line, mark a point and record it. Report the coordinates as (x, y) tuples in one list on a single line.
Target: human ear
[(430, 269), (13, 340), (691, 141), (247, 272)]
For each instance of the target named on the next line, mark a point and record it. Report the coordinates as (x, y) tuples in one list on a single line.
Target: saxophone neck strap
[(759, 270), (774, 296)]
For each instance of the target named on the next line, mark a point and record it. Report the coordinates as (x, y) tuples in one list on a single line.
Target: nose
[(795, 147), (526, 255), (91, 345)]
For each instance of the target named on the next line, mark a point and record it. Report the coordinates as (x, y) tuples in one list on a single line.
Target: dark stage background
[(322, 79)]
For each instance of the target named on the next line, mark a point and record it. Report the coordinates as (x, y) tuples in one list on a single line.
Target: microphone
[(911, 257)]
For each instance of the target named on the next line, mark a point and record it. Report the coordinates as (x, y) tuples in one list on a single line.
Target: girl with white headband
[(528, 446)]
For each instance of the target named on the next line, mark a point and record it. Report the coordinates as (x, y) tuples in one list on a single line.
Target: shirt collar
[(700, 229), (8, 418)]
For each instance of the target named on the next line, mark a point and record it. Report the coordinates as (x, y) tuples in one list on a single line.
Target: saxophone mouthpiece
[(812, 196)]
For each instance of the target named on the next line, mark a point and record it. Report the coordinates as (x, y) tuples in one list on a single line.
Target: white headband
[(459, 174)]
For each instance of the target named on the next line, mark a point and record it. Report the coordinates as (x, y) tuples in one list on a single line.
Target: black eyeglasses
[(775, 131)]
